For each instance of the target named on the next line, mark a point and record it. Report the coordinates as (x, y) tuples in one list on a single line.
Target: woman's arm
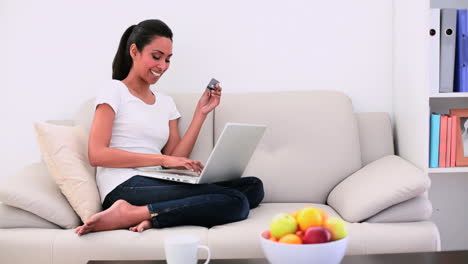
[(99, 152), (183, 147)]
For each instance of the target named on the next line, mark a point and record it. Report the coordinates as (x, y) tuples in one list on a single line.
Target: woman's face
[(153, 60)]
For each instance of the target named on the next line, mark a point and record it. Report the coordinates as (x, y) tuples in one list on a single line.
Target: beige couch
[(315, 152)]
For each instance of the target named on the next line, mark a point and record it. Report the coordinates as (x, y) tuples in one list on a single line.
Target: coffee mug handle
[(208, 251)]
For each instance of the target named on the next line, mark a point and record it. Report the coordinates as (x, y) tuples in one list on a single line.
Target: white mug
[(183, 249)]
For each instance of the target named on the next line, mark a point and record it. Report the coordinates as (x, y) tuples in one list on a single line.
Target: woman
[(134, 127)]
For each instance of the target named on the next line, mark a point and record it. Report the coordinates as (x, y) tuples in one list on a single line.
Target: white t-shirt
[(138, 127)]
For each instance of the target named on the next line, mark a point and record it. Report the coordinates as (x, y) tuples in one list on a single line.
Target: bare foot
[(120, 215), (146, 224)]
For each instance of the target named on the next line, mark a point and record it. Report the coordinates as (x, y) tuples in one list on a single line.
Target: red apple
[(266, 234), (316, 234)]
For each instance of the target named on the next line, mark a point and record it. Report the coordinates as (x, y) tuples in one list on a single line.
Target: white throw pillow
[(12, 217), (374, 188), (65, 152), (33, 190)]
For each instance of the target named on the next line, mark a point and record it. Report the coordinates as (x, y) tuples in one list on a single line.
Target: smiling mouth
[(155, 73)]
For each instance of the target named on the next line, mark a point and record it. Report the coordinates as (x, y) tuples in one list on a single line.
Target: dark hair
[(141, 34)]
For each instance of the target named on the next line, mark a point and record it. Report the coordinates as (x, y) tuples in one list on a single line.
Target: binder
[(448, 31), (461, 52), (434, 39), (443, 141), (434, 141)]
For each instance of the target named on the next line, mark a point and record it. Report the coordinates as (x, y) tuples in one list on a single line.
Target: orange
[(309, 216), (290, 239), (272, 238)]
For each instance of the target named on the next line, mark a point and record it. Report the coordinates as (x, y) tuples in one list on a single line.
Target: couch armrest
[(380, 184), (416, 209)]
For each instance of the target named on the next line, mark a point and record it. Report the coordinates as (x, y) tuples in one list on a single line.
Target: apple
[(316, 234), (282, 224), (266, 234), (337, 228)]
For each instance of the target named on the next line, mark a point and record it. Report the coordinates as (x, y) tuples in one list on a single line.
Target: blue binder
[(434, 138), (461, 52)]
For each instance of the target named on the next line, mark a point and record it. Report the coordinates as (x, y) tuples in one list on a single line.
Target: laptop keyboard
[(181, 178)]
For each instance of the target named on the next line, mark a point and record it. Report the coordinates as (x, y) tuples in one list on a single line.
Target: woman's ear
[(133, 50)]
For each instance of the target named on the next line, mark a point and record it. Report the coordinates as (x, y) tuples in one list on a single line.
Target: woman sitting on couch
[(134, 127)]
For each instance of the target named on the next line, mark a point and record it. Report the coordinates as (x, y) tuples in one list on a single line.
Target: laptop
[(228, 160)]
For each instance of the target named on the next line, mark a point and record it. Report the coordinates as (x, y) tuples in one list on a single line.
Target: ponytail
[(141, 34), (122, 60)]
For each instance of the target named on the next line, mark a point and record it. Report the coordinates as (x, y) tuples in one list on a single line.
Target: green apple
[(282, 224), (337, 228)]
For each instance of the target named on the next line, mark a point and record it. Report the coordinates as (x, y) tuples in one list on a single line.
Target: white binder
[(448, 33), (434, 38)]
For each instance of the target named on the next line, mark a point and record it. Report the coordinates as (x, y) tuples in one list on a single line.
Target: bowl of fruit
[(305, 236)]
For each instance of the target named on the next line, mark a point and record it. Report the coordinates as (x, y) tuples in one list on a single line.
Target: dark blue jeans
[(174, 203)]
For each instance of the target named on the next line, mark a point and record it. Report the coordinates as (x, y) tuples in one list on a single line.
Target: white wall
[(57, 53)]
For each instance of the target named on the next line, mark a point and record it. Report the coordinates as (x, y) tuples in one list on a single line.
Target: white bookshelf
[(449, 95), (447, 170), (413, 103)]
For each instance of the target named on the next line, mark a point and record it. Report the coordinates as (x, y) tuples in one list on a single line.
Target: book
[(443, 141), (453, 148), (461, 52), (449, 141), (434, 141)]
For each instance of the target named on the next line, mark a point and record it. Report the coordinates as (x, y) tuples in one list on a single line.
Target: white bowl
[(323, 253)]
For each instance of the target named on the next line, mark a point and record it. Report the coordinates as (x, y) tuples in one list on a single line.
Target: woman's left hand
[(209, 100)]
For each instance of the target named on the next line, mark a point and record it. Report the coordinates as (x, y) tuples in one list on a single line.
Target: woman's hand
[(182, 163), (209, 100)]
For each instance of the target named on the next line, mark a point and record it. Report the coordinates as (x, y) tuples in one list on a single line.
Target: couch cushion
[(33, 190), (119, 244), (28, 245), (226, 241), (12, 217), (310, 145), (380, 238)]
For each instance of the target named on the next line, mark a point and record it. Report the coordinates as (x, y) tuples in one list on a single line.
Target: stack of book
[(443, 145), (449, 50)]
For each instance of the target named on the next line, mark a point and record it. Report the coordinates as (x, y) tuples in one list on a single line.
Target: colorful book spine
[(443, 141), (434, 141), (449, 141), (453, 149)]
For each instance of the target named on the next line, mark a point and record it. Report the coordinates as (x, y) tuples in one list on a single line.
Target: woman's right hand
[(182, 163)]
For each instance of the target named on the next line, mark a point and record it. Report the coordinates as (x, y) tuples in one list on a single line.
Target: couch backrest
[(375, 134), (186, 104), (313, 140), (311, 143)]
